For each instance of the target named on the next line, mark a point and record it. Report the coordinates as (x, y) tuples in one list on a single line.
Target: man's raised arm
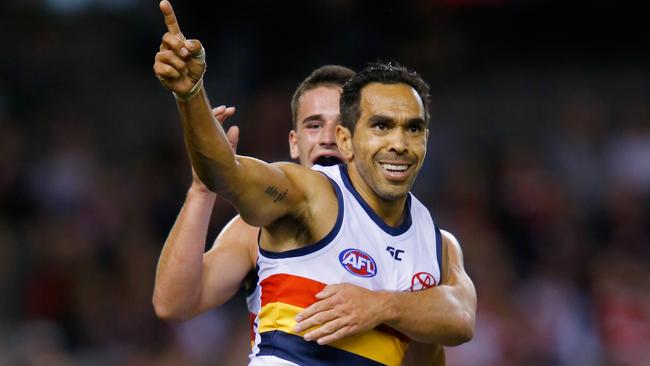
[(261, 192)]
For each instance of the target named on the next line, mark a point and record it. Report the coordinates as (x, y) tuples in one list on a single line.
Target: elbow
[(167, 312), (461, 329)]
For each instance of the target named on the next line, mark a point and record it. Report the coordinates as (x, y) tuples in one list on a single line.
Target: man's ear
[(344, 142), (293, 145)]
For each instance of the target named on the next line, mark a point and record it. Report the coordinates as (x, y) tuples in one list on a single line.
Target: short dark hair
[(328, 75), (384, 73)]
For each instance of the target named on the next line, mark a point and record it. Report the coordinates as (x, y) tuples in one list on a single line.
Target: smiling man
[(323, 228)]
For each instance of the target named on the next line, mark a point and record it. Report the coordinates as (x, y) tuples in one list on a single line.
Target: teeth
[(394, 167)]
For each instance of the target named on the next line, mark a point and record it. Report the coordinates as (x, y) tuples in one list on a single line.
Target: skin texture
[(224, 172)]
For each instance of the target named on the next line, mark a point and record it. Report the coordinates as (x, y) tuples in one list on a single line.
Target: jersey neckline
[(390, 230)]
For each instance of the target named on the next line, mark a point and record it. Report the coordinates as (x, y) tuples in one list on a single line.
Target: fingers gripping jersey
[(361, 250)]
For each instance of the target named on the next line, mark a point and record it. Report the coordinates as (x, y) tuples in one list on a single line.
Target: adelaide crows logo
[(422, 281), (358, 262)]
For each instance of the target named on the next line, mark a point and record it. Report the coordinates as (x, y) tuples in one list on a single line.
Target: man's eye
[(313, 125), (380, 126), (415, 129)]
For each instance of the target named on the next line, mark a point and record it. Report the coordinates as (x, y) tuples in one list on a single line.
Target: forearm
[(261, 192), (209, 150), (443, 314), (179, 274)]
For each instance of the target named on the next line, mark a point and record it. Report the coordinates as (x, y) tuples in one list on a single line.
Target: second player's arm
[(189, 281), (179, 271), (183, 287)]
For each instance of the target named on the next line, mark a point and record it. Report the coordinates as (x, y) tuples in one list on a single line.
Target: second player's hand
[(221, 114), (343, 310), (180, 63)]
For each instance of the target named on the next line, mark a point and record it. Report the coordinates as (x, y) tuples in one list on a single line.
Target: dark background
[(539, 162)]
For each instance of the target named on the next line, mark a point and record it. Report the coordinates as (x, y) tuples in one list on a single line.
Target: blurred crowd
[(538, 161)]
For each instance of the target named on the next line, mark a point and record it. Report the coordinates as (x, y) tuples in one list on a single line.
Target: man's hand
[(180, 63), (343, 310), (221, 114)]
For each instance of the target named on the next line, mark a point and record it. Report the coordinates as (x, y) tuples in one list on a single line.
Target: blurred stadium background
[(539, 162)]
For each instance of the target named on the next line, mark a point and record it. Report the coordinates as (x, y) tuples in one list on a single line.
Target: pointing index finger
[(170, 17)]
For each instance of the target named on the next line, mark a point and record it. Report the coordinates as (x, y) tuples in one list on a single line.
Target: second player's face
[(390, 139), (314, 139)]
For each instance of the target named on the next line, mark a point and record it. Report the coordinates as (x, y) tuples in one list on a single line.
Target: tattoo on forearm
[(275, 193)]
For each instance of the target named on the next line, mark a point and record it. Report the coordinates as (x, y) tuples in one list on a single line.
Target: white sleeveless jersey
[(361, 250)]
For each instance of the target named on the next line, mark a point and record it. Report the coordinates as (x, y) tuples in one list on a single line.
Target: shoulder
[(312, 183), (453, 263), (450, 244), (449, 239), (238, 228), (296, 171)]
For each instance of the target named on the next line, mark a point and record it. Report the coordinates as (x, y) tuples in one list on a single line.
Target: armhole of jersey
[(250, 281), (314, 247), (439, 249)]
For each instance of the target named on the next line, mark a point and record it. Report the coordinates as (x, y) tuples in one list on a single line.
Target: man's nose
[(328, 136), (397, 142)]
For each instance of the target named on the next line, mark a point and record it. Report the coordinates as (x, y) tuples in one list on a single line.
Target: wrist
[(199, 191), (185, 97), (387, 301)]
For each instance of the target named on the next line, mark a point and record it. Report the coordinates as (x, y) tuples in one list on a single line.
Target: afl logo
[(358, 262)]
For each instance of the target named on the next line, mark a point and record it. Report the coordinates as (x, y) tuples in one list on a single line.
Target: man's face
[(390, 139), (314, 139)]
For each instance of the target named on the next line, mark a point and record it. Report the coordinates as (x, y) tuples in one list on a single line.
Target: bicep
[(265, 192), (456, 276), (453, 268)]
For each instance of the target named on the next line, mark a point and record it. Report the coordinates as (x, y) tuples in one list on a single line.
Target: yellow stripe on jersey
[(373, 344)]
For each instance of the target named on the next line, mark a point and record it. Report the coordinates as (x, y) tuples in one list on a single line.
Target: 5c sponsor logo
[(395, 253), (358, 262)]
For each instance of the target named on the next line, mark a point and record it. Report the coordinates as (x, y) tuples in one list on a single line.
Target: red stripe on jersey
[(301, 292), (289, 289)]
